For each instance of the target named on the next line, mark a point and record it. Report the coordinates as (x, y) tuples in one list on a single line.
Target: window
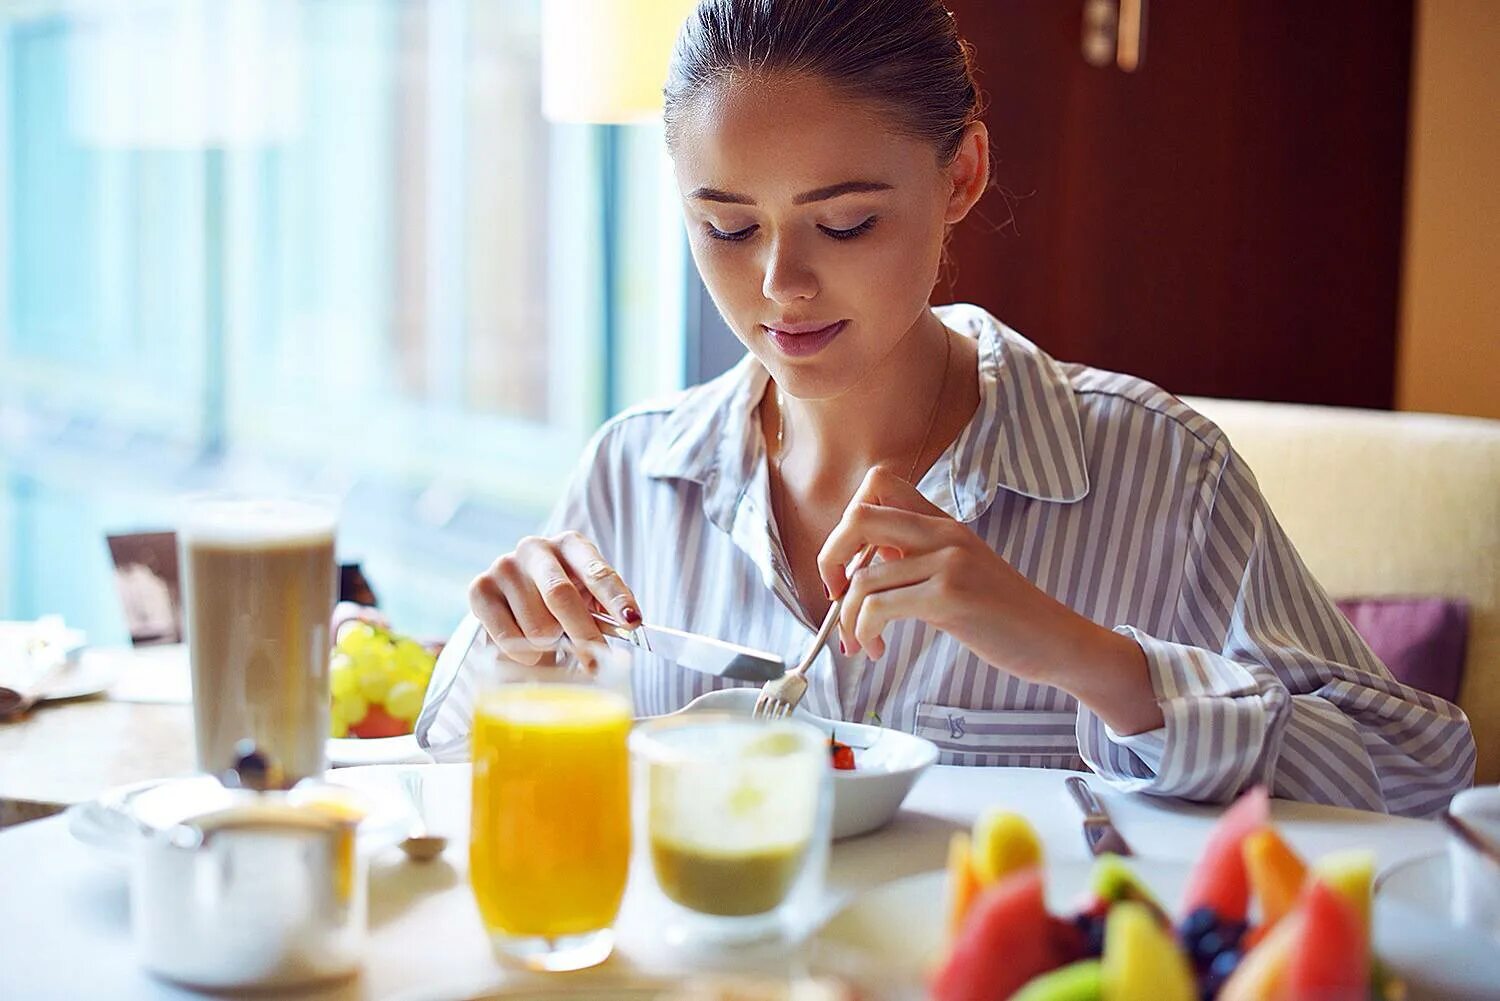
[(323, 243)]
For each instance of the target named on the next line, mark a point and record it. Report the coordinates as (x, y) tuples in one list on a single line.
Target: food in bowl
[(840, 755), (379, 680), (1309, 937)]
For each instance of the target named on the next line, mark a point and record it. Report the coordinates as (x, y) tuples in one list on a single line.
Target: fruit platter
[(1250, 920), (378, 679)]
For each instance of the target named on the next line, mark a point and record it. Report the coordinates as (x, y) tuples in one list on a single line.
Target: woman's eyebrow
[(807, 197)]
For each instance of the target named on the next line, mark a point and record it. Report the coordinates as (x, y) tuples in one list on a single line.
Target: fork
[(780, 696)]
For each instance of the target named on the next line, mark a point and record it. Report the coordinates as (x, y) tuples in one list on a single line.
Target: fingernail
[(631, 615)]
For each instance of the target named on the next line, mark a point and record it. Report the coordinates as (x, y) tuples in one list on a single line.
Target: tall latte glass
[(259, 585)]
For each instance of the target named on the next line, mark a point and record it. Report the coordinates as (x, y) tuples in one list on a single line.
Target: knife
[(699, 653), (1098, 832)]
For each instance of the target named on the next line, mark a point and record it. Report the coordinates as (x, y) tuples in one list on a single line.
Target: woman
[(1076, 570)]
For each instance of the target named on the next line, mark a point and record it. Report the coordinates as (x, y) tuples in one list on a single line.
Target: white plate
[(887, 762), (904, 922), (1415, 934), (82, 677), (402, 750)]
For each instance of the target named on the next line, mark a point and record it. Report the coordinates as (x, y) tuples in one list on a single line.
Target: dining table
[(65, 916)]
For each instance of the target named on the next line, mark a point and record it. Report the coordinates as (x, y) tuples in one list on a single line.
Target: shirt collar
[(1025, 436)]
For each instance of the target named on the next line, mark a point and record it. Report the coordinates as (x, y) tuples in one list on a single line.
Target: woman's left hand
[(936, 569)]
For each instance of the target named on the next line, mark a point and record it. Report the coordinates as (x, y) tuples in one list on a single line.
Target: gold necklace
[(910, 472)]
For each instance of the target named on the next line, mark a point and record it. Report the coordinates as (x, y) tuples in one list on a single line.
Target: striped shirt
[(1107, 493)]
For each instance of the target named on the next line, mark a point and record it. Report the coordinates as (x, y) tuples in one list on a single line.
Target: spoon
[(1471, 837), (14, 702), (419, 845)]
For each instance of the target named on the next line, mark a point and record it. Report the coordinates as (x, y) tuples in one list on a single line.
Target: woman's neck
[(915, 400)]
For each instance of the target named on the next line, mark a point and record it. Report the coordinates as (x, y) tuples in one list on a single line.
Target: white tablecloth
[(64, 916)]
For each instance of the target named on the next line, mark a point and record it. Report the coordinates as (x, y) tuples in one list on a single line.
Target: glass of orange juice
[(549, 847)]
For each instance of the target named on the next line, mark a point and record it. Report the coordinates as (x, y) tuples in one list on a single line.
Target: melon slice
[(1142, 961), (1330, 960), (1219, 880), (1276, 874), (1081, 981), (1262, 973), (1006, 941), (963, 883), (1004, 843), (1113, 881)]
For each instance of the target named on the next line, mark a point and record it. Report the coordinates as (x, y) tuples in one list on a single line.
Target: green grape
[(404, 701), (375, 680), (357, 638), (350, 709), (342, 675), (412, 658)]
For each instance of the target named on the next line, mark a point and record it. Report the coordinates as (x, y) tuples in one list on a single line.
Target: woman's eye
[(851, 232), (734, 237)]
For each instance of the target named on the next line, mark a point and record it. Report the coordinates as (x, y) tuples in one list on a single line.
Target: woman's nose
[(788, 277)]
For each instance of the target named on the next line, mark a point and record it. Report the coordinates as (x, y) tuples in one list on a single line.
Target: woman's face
[(816, 228)]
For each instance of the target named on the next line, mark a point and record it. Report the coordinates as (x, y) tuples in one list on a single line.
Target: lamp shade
[(605, 61)]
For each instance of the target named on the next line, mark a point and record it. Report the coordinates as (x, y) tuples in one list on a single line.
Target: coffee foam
[(257, 523)]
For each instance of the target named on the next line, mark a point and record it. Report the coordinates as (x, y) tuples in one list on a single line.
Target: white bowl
[(887, 763)]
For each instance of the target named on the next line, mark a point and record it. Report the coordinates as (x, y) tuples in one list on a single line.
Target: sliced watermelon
[(1330, 960), (1007, 940), (1276, 874), (1219, 880), (1350, 874)]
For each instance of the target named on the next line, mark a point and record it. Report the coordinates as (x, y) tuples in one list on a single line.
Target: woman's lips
[(802, 340)]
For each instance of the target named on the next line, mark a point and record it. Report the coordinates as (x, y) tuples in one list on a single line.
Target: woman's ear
[(969, 172)]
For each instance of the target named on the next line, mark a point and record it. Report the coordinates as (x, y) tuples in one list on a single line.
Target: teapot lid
[(248, 794)]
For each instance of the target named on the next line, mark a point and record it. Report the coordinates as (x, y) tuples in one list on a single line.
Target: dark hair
[(904, 54)]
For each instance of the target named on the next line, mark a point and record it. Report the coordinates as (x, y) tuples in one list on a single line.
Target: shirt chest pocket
[(1011, 738)]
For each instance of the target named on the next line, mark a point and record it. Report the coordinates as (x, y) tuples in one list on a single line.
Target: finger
[(884, 487), (894, 531), (881, 609), (488, 603), (588, 566), (561, 598), (876, 579)]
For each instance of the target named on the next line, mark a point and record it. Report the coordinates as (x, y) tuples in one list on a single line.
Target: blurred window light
[(307, 238)]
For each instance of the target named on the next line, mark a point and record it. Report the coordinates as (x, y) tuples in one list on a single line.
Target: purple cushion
[(1422, 640)]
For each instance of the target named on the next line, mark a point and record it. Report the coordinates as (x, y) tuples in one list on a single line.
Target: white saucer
[(116, 819), (1416, 937), (887, 763)]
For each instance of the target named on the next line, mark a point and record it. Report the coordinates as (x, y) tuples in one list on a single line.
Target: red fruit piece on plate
[(1331, 959), (1219, 881), (379, 723), (1008, 938)]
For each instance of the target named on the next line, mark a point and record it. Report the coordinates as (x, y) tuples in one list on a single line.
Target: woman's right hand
[(547, 588)]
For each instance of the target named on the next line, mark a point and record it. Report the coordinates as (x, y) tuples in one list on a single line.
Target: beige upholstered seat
[(1385, 504)]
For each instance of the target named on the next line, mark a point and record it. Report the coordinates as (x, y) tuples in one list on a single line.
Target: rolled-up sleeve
[(586, 506), (1262, 680)]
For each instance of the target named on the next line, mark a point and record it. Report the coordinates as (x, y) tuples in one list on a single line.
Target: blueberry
[(1197, 924), (1209, 947), (1233, 931), (1220, 970), (1092, 926)]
